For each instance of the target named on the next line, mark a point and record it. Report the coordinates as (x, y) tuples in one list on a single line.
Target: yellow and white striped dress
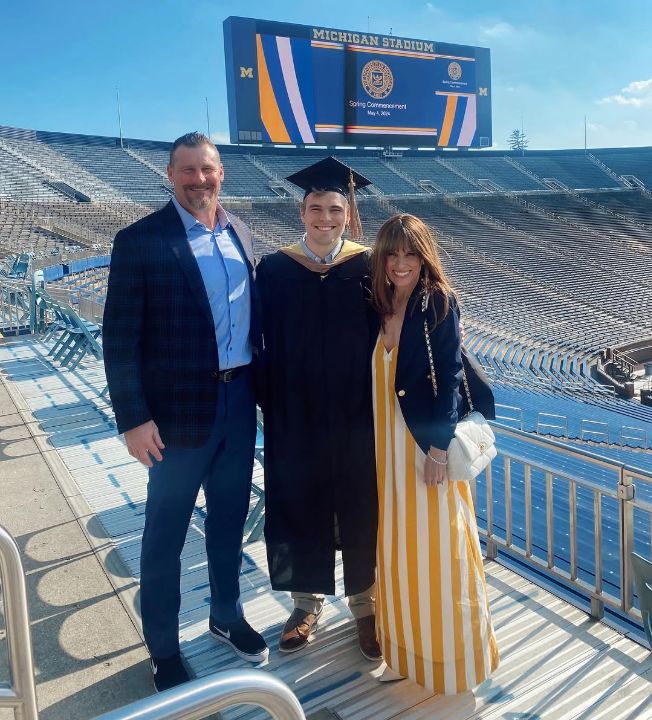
[(432, 605)]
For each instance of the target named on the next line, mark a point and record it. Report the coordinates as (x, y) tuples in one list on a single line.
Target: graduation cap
[(331, 175)]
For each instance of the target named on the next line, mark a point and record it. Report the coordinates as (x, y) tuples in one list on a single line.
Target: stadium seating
[(636, 205), (574, 171), (434, 172), (19, 180), (504, 174), (241, 177), (73, 337), (282, 165), (631, 161), (118, 169), (380, 174), (547, 278), (56, 165)]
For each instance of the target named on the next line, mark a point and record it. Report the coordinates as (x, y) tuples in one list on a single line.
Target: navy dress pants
[(223, 467)]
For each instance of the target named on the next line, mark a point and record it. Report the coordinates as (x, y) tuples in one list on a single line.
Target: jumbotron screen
[(303, 85)]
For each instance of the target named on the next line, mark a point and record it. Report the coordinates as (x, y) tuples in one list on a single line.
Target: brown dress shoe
[(298, 629), (369, 646)]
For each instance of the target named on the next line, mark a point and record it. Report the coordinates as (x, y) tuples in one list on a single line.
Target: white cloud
[(596, 128), (497, 29), (439, 14), (520, 88), (618, 133), (637, 94)]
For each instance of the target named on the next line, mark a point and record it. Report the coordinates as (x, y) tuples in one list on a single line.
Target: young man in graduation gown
[(320, 484)]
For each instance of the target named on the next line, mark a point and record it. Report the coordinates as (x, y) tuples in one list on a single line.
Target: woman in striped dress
[(432, 613)]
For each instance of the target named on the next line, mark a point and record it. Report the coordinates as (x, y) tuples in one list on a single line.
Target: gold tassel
[(354, 219)]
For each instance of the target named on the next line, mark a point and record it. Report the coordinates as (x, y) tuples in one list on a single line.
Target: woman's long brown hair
[(408, 232)]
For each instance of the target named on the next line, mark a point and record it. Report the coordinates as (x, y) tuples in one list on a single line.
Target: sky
[(554, 62)]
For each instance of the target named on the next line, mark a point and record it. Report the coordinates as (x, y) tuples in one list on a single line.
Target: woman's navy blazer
[(160, 351), (430, 419)]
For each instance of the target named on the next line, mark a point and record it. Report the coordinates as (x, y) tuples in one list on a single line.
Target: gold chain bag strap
[(473, 446)]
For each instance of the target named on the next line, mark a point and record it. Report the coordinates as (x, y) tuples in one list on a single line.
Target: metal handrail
[(627, 507), (622, 493), (592, 429), (639, 437), (14, 306), (548, 420), (191, 701), (200, 698), (507, 418), (21, 693)]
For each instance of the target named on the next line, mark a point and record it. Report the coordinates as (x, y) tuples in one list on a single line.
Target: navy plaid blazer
[(160, 351)]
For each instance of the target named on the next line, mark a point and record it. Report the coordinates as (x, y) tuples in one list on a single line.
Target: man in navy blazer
[(181, 332)]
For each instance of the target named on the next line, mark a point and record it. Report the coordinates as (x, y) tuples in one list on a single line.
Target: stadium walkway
[(88, 655), (63, 471)]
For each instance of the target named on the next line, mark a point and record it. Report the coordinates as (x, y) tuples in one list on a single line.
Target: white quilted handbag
[(473, 446), (471, 449)]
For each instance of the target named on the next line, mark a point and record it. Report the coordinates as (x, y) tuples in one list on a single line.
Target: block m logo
[(247, 72)]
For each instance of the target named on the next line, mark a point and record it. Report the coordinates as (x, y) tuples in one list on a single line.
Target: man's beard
[(200, 202)]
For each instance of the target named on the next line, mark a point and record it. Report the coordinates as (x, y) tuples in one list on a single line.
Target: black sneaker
[(242, 638), (168, 672)]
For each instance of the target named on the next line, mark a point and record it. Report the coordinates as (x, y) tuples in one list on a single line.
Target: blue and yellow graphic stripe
[(285, 89)]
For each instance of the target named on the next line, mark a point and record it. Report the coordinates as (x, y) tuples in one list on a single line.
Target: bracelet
[(437, 462)]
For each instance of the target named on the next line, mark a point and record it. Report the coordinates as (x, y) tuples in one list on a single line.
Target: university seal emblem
[(377, 79), (454, 71)]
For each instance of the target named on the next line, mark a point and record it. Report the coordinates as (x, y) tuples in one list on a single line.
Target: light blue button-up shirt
[(315, 258), (224, 272)]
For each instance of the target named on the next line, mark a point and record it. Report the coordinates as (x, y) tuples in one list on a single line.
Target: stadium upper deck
[(36, 163)]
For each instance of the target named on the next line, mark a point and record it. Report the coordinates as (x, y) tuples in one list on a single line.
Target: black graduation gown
[(319, 434)]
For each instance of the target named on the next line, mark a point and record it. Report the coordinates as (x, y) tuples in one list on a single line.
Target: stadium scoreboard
[(304, 85)]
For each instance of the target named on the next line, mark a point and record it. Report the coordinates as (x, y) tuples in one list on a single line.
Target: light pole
[(585, 134), (117, 100)]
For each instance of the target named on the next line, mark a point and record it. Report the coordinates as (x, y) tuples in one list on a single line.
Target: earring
[(387, 280)]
